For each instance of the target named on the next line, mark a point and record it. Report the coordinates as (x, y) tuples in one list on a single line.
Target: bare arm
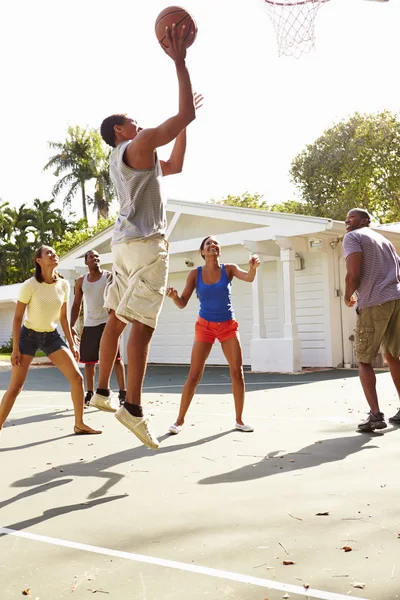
[(182, 300), (17, 324), (76, 307), (353, 264), (67, 330), (140, 152), (235, 271), (175, 162)]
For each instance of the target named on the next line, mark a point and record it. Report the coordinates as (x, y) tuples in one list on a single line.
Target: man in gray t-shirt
[(373, 283)]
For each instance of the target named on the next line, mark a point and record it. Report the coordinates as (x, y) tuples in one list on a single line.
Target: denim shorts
[(47, 341)]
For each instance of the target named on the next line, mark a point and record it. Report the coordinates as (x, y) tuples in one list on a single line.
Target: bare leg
[(108, 349), (233, 354), (200, 353), (18, 376), (138, 350), (64, 361), (89, 377), (119, 371), (394, 366), (368, 382)]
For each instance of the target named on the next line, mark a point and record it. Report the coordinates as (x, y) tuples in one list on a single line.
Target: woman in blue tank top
[(213, 284)]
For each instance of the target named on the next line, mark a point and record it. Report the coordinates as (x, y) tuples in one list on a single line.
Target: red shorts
[(208, 331)]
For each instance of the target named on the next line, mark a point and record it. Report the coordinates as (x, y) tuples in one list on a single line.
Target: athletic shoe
[(139, 426), (175, 429), (88, 398), (105, 403), (373, 422), (395, 419)]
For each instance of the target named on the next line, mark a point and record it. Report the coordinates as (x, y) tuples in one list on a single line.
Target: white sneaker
[(105, 403), (246, 428), (175, 429), (139, 426)]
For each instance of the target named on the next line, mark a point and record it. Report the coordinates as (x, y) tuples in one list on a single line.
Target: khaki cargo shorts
[(376, 326), (139, 278)]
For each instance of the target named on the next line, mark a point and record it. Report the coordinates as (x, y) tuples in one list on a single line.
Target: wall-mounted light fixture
[(298, 262), (315, 243), (189, 263)]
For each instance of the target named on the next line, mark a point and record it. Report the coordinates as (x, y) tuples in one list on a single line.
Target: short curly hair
[(107, 128)]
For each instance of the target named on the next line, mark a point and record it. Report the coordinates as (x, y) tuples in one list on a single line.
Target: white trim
[(171, 225), (181, 566)]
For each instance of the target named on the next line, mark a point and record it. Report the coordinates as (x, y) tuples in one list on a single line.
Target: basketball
[(179, 16)]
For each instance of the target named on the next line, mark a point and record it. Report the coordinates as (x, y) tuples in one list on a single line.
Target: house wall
[(7, 310)]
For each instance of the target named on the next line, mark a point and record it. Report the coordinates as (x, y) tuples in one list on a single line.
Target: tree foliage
[(22, 230), (81, 157), (73, 238), (246, 200), (354, 163)]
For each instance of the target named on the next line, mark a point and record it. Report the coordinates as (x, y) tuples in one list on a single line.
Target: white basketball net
[(294, 24)]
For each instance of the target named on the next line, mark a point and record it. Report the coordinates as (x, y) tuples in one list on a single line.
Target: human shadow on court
[(314, 455), (57, 512), (38, 443), (99, 466)]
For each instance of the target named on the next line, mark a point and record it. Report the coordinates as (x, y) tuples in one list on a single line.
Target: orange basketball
[(179, 16)]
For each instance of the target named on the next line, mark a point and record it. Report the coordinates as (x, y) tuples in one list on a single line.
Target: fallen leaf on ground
[(27, 592), (306, 586), (286, 596), (288, 562), (322, 514), (360, 586), (347, 548)]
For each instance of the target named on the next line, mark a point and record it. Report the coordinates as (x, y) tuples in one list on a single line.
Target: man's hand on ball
[(176, 44)]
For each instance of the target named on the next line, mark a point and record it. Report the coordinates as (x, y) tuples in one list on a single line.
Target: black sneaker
[(395, 419), (373, 422), (121, 397), (88, 398)]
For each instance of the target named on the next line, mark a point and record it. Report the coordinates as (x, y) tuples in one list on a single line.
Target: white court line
[(164, 387), (180, 566)]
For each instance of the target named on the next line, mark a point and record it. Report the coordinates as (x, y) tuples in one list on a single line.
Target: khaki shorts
[(376, 326), (139, 277)]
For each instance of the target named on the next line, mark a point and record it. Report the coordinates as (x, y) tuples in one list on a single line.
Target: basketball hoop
[(294, 24)]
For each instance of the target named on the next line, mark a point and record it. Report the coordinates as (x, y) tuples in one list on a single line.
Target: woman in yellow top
[(45, 296)]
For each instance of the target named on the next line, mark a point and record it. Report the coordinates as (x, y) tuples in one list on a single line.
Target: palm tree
[(19, 248), (48, 223), (77, 159), (6, 220), (104, 192)]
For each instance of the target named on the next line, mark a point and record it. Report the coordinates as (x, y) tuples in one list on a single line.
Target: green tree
[(354, 163), (71, 239), (6, 221), (291, 206), (48, 223), (246, 200), (104, 192), (77, 160), (19, 248)]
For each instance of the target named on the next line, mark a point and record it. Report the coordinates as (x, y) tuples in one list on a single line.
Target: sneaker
[(395, 419), (105, 403), (88, 398), (175, 429), (246, 428), (139, 426), (373, 422)]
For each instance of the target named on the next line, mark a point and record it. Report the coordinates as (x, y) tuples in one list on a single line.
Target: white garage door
[(173, 339)]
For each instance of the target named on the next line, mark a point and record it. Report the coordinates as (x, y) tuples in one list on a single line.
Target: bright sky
[(76, 62)]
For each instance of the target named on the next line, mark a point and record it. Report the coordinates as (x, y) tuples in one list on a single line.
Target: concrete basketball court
[(214, 513)]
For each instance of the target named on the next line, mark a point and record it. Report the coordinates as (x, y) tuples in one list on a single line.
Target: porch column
[(257, 291)]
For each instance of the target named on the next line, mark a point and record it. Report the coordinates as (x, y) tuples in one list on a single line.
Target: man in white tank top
[(139, 246), (91, 287)]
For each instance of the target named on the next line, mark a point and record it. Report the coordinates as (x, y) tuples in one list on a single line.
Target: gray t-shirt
[(143, 208), (380, 267)]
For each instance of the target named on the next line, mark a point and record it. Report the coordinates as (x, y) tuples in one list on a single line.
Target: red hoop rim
[(294, 3)]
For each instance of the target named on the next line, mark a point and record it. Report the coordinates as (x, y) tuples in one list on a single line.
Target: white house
[(291, 316)]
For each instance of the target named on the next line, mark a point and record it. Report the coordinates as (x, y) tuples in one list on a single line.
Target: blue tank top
[(215, 298)]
